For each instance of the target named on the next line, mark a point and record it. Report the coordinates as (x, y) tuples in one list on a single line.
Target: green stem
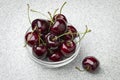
[(78, 36), (28, 13), (39, 39), (39, 13), (50, 50), (51, 19), (72, 35), (55, 12), (88, 68), (61, 35), (42, 40), (62, 7), (79, 33), (79, 69), (86, 31)]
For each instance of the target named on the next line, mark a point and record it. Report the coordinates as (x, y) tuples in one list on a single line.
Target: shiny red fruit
[(31, 38), (68, 48), (90, 63), (59, 27), (42, 25), (52, 43), (73, 30), (57, 56), (40, 51)]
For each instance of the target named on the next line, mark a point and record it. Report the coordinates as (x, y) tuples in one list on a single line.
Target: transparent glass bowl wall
[(53, 64)]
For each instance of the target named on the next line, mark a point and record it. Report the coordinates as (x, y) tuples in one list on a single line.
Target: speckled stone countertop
[(101, 16)]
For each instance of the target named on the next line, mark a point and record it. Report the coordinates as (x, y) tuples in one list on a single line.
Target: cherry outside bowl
[(53, 64)]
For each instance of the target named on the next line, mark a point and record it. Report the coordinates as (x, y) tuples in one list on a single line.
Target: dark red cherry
[(72, 35), (56, 56), (68, 48), (42, 25), (67, 36), (73, 30), (39, 51), (52, 43), (31, 38), (90, 63), (59, 27), (59, 16)]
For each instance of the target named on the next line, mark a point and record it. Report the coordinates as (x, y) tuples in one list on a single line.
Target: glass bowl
[(53, 64)]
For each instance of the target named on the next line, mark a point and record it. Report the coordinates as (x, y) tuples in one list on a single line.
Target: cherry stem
[(39, 13), (62, 7), (61, 35), (88, 68), (72, 35), (79, 69), (50, 50), (55, 12), (42, 40), (51, 19), (28, 13), (68, 43), (39, 39), (69, 32), (86, 31), (30, 36), (79, 33)]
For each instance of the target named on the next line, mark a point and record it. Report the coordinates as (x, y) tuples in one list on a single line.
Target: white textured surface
[(102, 16)]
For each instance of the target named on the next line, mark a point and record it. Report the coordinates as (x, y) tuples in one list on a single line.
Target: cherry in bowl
[(39, 54)]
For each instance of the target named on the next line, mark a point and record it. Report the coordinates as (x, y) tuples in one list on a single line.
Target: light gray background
[(101, 16)]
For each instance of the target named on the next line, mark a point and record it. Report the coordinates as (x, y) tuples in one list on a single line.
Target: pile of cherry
[(54, 40)]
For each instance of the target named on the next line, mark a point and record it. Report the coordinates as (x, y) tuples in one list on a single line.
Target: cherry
[(59, 27), (67, 36), (40, 51), (56, 56), (68, 48), (42, 25), (73, 30), (51, 41), (72, 33), (31, 38), (90, 63), (59, 16)]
